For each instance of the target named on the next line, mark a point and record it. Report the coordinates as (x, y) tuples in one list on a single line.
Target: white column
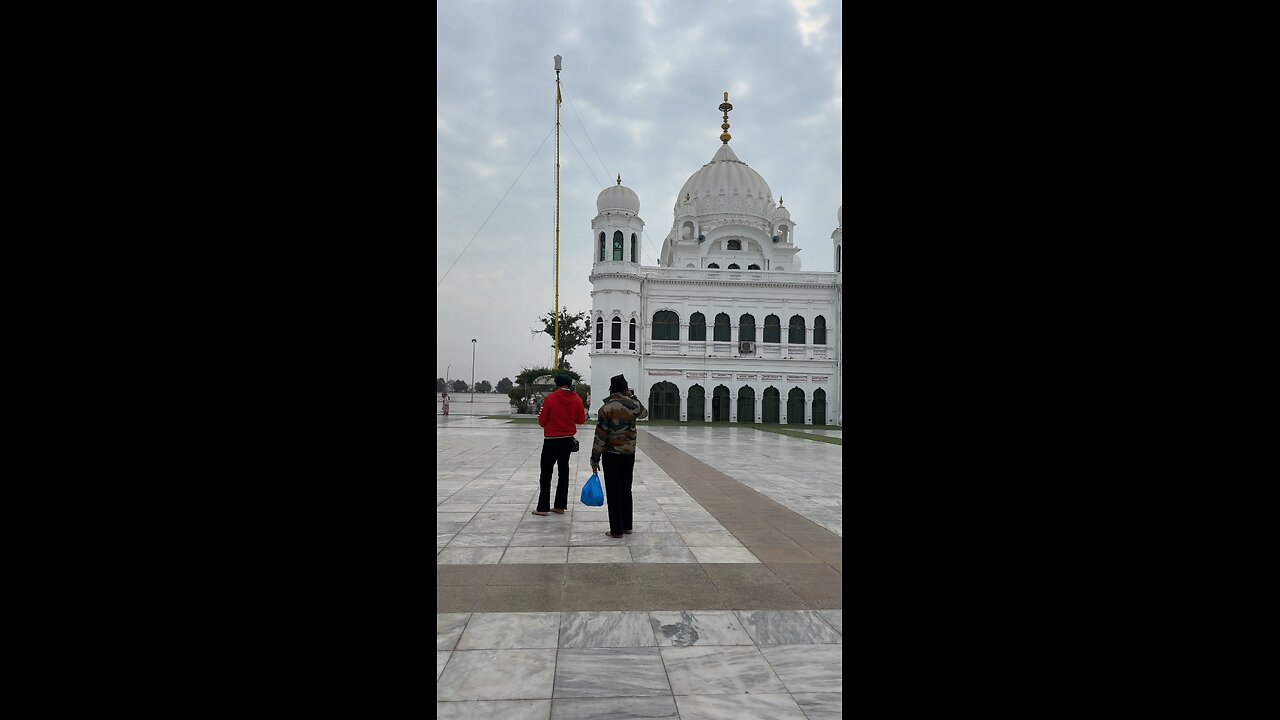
[(733, 407)]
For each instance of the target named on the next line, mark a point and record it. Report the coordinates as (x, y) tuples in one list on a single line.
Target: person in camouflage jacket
[(615, 445)]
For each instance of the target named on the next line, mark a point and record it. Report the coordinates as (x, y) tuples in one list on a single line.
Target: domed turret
[(618, 197), (781, 213)]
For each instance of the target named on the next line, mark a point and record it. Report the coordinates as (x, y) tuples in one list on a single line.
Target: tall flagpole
[(555, 309)]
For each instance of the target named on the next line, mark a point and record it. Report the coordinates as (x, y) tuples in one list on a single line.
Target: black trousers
[(555, 451), (617, 489)]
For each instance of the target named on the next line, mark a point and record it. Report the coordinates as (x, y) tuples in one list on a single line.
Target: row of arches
[(664, 404), (732, 266), (666, 326), (618, 241)]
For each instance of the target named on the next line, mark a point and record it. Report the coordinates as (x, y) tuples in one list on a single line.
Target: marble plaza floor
[(724, 602)]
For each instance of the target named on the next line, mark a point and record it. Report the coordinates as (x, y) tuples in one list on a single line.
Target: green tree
[(484, 387), (458, 386), (505, 384), (440, 385), (575, 331), (519, 392)]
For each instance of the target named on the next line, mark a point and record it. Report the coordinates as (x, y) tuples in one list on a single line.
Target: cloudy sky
[(645, 78)]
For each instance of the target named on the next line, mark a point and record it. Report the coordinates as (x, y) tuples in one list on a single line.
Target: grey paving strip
[(805, 556)]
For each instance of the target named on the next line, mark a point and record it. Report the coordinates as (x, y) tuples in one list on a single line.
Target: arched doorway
[(746, 404), (664, 402), (795, 407), (771, 403), (819, 407), (720, 404), (697, 404)]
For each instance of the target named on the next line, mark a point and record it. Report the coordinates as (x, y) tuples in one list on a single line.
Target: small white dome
[(781, 213), (618, 197)]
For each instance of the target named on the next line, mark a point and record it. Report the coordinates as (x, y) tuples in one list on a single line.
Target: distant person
[(615, 442), (446, 402), (560, 416)]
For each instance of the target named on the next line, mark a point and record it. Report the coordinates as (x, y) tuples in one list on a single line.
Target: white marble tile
[(724, 555), (610, 672), (808, 668), (660, 707), (835, 618), (497, 675), (442, 658), (454, 517), (820, 706), (458, 507), (491, 631), (469, 556), (443, 539), (710, 539), (481, 539), (533, 555), (449, 628), (787, 627), (687, 628), (619, 554), (650, 539), (717, 670), (662, 555), (550, 538), (605, 629), (494, 710), (738, 707), (594, 538), (684, 526)]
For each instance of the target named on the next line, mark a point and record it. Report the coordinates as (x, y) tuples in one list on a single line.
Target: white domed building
[(727, 327)]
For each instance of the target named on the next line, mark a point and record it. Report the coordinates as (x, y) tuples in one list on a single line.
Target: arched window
[(747, 328), (691, 265), (769, 409), (634, 244), (819, 330), (601, 247), (780, 267), (795, 333), (734, 266), (600, 333), (795, 407), (697, 404), (785, 233), (837, 258), (746, 404), (713, 266), (772, 329), (735, 245), (633, 334), (819, 407), (753, 266), (615, 340), (697, 327), (721, 331), (617, 244), (666, 325), (720, 404)]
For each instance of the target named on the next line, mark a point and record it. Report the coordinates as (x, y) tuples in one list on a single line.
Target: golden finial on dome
[(779, 201), (725, 107), (619, 178)]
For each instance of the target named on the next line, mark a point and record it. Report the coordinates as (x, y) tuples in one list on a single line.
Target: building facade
[(727, 327)]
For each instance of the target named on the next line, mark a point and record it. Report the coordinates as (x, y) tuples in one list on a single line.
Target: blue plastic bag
[(592, 494)]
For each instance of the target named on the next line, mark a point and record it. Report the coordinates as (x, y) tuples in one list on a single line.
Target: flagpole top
[(557, 63)]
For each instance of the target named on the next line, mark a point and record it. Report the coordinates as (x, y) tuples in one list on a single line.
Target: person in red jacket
[(562, 413)]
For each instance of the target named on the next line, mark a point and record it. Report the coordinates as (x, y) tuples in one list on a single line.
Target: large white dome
[(728, 176), (618, 197)]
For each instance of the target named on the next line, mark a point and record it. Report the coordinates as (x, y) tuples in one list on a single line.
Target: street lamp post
[(473, 371), (446, 377)]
